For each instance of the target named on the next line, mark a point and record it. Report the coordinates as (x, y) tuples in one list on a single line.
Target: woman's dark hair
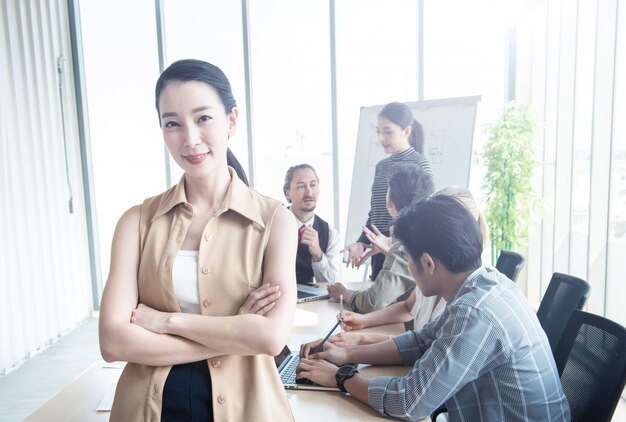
[(442, 227), (409, 183), (200, 71), (401, 115)]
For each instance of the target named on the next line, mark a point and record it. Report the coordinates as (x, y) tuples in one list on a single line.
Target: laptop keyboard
[(288, 375)]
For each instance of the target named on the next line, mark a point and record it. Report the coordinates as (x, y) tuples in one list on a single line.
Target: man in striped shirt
[(486, 357)]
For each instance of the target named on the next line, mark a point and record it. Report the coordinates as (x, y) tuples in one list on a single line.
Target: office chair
[(438, 411), (591, 360), (565, 294), (510, 264)]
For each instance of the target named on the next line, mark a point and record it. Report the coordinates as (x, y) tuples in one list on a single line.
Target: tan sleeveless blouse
[(230, 264)]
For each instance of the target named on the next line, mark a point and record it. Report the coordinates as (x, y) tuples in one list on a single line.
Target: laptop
[(308, 293), (286, 363)]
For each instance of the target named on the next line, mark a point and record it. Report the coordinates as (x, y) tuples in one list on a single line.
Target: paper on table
[(106, 403), (115, 364)]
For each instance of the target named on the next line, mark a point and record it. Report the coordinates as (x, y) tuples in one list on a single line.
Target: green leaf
[(508, 158)]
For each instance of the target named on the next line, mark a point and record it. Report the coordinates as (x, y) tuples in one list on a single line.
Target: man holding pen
[(318, 257), (486, 357)]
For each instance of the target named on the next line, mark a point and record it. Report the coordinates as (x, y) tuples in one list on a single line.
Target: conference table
[(79, 400)]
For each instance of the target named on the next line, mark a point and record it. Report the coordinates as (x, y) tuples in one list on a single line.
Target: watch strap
[(343, 374)]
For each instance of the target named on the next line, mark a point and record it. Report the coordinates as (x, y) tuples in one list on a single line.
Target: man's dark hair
[(442, 227), (409, 183)]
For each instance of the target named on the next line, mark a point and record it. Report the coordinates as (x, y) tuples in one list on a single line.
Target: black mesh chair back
[(591, 359), (564, 295), (510, 264)]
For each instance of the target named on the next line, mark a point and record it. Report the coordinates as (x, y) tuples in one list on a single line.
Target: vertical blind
[(571, 70), (45, 287)]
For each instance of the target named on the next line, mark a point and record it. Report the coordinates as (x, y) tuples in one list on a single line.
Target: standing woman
[(403, 137), (183, 264)]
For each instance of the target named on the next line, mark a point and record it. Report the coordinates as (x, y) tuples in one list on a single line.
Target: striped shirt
[(486, 357), (378, 215)]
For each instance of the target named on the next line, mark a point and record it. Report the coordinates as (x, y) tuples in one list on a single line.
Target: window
[(571, 74), (290, 55), (210, 30), (121, 69), (376, 64), (616, 266)]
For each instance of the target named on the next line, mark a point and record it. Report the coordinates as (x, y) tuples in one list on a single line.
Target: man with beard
[(318, 242)]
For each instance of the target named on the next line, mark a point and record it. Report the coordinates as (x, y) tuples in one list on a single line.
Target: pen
[(341, 311), (320, 346)]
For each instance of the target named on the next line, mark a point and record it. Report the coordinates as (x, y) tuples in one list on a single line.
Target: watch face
[(344, 373), (346, 370)]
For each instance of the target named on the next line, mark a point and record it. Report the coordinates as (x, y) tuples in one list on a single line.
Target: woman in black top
[(401, 136)]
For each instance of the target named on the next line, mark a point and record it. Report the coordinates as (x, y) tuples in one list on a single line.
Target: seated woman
[(418, 307), (407, 183)]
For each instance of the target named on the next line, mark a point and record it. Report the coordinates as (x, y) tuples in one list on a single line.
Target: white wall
[(45, 285)]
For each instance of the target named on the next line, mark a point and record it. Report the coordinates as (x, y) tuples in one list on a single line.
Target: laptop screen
[(280, 358)]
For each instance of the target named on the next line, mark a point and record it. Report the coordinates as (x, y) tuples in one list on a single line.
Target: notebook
[(286, 363), (308, 293)]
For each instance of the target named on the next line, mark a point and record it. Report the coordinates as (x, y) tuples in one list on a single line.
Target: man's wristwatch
[(345, 372)]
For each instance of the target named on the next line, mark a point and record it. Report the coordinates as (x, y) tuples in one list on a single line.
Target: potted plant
[(509, 163)]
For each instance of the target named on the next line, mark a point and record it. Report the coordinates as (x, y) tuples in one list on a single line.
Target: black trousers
[(187, 394), (376, 262)]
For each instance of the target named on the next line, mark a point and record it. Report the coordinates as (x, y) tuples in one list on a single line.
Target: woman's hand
[(150, 319), (355, 253), (348, 339), (357, 339), (380, 242), (353, 321), (261, 300)]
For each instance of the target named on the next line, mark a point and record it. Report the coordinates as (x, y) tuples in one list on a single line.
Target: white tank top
[(185, 280), (424, 310)]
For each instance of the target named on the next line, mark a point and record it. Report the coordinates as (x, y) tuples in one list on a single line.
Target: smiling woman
[(196, 129), (172, 306)]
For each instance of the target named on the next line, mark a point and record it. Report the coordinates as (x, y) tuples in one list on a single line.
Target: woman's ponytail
[(232, 161), (416, 140)]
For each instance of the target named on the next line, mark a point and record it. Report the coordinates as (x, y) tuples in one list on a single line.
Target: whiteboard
[(448, 134)]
